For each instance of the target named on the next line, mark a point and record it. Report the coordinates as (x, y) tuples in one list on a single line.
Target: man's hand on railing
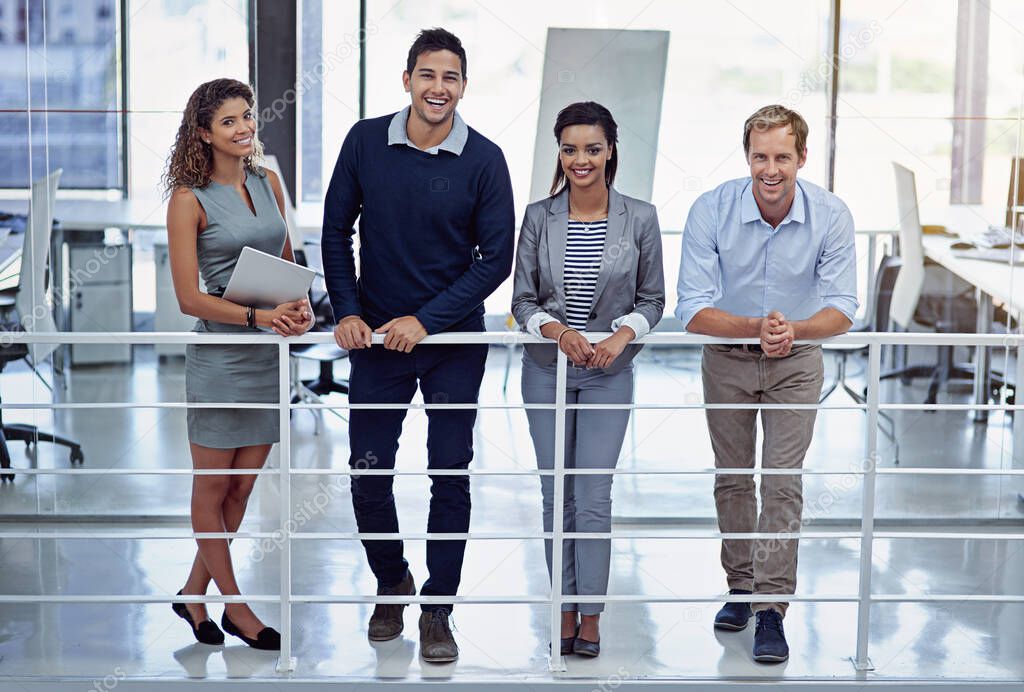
[(402, 333), (352, 333), (777, 335)]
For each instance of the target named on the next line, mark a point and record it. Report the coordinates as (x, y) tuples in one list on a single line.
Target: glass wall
[(210, 40), (60, 85)]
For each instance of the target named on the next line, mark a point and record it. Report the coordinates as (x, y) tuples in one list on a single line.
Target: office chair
[(310, 391), (31, 292), (325, 355), (928, 295), (875, 319)]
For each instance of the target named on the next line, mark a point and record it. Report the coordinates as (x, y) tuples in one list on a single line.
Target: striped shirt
[(584, 246)]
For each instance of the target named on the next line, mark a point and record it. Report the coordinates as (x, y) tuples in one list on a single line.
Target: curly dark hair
[(191, 160)]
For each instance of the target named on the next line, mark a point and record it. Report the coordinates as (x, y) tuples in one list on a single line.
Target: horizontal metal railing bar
[(135, 535), (121, 598), (609, 598), (930, 471), (100, 405), (951, 407), (653, 534), (271, 471), (576, 472), (494, 600), (501, 338), (583, 535), (592, 407), (944, 598)]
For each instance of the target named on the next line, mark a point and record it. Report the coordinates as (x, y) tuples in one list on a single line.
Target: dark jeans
[(446, 375)]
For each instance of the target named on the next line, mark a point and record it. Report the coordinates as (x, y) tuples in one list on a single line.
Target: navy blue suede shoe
[(733, 616), (769, 640)]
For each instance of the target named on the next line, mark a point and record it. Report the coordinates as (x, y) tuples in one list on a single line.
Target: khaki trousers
[(742, 374)]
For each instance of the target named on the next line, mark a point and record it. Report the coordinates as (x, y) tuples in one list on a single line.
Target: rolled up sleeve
[(699, 282), (837, 267)]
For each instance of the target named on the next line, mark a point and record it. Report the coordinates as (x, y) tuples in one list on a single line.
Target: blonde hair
[(773, 116)]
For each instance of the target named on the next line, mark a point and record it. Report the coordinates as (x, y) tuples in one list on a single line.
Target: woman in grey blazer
[(588, 260)]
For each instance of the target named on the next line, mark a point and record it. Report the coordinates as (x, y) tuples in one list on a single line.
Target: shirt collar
[(454, 142), (749, 211)]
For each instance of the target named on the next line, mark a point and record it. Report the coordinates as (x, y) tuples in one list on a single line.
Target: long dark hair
[(191, 161), (587, 113)]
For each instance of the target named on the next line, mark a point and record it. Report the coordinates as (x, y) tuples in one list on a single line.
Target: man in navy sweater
[(436, 228)]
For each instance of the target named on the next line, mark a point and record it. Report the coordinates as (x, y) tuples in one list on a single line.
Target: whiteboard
[(622, 70)]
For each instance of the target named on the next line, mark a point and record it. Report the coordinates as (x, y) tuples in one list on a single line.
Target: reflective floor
[(939, 640)]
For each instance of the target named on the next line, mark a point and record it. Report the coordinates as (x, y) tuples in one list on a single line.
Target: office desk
[(96, 215), (90, 216), (994, 281)]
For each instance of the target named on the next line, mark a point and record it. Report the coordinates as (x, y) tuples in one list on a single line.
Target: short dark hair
[(587, 113), (430, 40)]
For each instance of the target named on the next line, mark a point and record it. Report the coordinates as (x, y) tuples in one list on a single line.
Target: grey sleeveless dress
[(246, 373)]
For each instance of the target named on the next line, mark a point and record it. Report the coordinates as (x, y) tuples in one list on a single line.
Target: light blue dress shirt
[(733, 260)]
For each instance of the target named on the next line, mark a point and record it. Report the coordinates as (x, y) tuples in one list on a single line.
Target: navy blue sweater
[(422, 218)]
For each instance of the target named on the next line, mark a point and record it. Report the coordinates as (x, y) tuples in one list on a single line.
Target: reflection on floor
[(908, 640)]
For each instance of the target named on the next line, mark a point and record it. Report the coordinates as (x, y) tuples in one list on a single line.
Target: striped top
[(584, 246)]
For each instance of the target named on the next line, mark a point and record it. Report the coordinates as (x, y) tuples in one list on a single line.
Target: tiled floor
[(907, 641)]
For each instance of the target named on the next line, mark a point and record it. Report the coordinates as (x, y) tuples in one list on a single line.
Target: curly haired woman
[(222, 200)]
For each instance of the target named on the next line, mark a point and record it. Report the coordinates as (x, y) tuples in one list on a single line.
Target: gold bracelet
[(558, 341)]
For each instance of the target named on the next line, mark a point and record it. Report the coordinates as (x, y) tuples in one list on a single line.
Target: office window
[(210, 41), (901, 99), (327, 90), (70, 54)]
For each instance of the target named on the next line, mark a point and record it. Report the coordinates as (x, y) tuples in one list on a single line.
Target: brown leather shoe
[(437, 645), (387, 622)]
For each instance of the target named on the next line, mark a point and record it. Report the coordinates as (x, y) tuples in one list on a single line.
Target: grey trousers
[(593, 440), (738, 375)]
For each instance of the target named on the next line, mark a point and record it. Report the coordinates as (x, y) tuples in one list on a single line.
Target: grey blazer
[(631, 277)]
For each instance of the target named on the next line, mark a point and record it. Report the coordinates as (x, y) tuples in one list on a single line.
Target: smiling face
[(774, 161), (583, 153), (435, 86), (232, 128)]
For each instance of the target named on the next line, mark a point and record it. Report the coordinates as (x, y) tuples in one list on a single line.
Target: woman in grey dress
[(221, 200)]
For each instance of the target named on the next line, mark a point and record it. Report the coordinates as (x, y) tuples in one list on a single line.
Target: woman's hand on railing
[(570, 342), (292, 319), (607, 350)]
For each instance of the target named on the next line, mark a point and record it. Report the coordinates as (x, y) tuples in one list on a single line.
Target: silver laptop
[(266, 281)]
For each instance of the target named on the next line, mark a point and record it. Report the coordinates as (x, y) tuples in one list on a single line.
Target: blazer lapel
[(555, 232), (613, 249)]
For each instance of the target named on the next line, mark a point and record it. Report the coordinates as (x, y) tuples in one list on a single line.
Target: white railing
[(284, 536)]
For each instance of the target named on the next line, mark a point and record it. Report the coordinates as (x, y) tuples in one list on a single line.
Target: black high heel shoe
[(583, 647), (206, 633), (567, 642), (268, 639)]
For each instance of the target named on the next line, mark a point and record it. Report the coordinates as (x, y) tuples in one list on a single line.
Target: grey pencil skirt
[(244, 373)]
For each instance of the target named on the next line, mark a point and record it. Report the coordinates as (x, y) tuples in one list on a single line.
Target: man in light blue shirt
[(772, 258)]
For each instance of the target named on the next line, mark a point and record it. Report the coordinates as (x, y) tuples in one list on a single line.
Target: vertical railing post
[(861, 661), (286, 662), (872, 254), (556, 663)]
